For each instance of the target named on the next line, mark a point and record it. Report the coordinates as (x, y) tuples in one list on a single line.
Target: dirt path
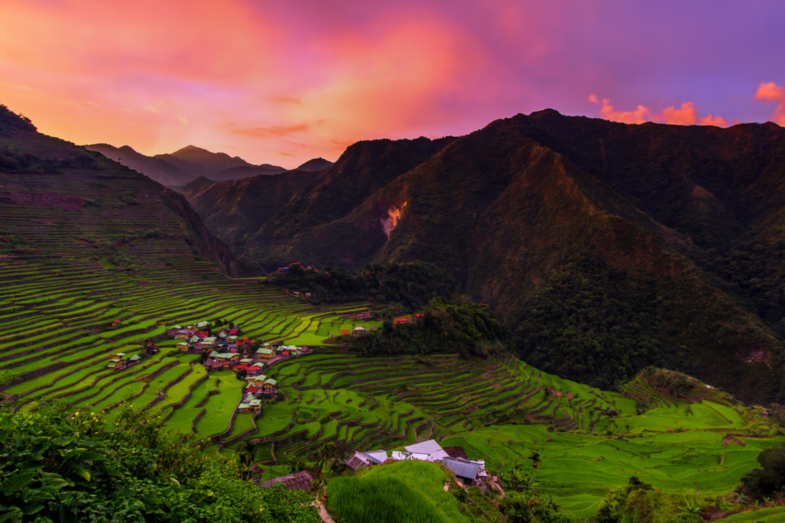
[(324, 515)]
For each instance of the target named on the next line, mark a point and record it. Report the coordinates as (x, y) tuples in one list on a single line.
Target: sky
[(282, 82)]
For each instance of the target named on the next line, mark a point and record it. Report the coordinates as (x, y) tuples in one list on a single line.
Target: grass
[(409, 491)]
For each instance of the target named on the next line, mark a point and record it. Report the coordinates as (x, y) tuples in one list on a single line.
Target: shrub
[(767, 480), (61, 468)]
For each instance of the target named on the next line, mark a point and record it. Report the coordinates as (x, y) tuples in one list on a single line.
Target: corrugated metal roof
[(429, 447), (462, 468), (379, 456)]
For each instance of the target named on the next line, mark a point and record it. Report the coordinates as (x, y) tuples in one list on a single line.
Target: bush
[(767, 480), (57, 468)]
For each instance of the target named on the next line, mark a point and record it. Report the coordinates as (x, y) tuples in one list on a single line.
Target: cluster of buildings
[(119, 361), (454, 458)]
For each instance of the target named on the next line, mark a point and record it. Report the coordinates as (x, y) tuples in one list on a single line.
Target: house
[(343, 333), (202, 324), (252, 379), (366, 459), (297, 481), (202, 334), (209, 342), (213, 354), (222, 335), (265, 353), (213, 365), (116, 323), (296, 293), (269, 386), (307, 294), (430, 448), (468, 471), (246, 361), (359, 331), (231, 339), (120, 355), (255, 369), (182, 346), (134, 359), (250, 404), (402, 456), (194, 339), (181, 335)]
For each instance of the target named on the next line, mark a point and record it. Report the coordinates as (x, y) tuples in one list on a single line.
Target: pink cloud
[(686, 114), (771, 92)]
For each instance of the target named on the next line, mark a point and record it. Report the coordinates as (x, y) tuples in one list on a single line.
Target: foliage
[(767, 480), (457, 326), (409, 284), (638, 502), (529, 507), (61, 468)]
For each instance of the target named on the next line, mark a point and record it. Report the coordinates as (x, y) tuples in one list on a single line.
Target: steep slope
[(78, 207), (159, 170), (232, 208), (317, 164), (364, 168), (529, 214)]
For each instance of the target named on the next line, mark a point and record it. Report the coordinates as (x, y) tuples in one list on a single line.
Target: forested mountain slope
[(606, 246)]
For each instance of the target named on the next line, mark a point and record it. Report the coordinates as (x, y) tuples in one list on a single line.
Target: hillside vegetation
[(409, 285), (674, 233), (61, 468)]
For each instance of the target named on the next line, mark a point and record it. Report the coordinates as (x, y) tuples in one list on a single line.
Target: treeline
[(57, 467), (458, 326), (412, 285)]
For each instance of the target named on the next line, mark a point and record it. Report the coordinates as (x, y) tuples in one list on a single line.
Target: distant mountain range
[(189, 163), (606, 247)]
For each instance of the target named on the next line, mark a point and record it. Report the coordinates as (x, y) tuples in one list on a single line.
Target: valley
[(102, 267)]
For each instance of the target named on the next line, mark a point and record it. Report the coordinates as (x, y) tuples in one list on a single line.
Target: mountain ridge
[(532, 204)]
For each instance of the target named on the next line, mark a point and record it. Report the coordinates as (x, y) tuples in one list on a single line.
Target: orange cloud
[(686, 114), (771, 92), (640, 115)]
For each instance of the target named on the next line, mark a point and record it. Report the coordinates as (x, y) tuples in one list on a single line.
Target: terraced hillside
[(500, 410)]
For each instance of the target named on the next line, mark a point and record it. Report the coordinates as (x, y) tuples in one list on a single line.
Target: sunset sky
[(284, 81)]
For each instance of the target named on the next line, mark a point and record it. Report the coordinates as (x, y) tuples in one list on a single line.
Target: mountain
[(606, 247), (159, 170), (317, 164), (203, 159), (193, 187), (184, 165), (233, 207), (245, 171), (66, 208)]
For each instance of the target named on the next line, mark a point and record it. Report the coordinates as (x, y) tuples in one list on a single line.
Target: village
[(223, 349)]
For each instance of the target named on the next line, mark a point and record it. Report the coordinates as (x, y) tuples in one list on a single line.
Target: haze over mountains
[(187, 164), (605, 246)]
